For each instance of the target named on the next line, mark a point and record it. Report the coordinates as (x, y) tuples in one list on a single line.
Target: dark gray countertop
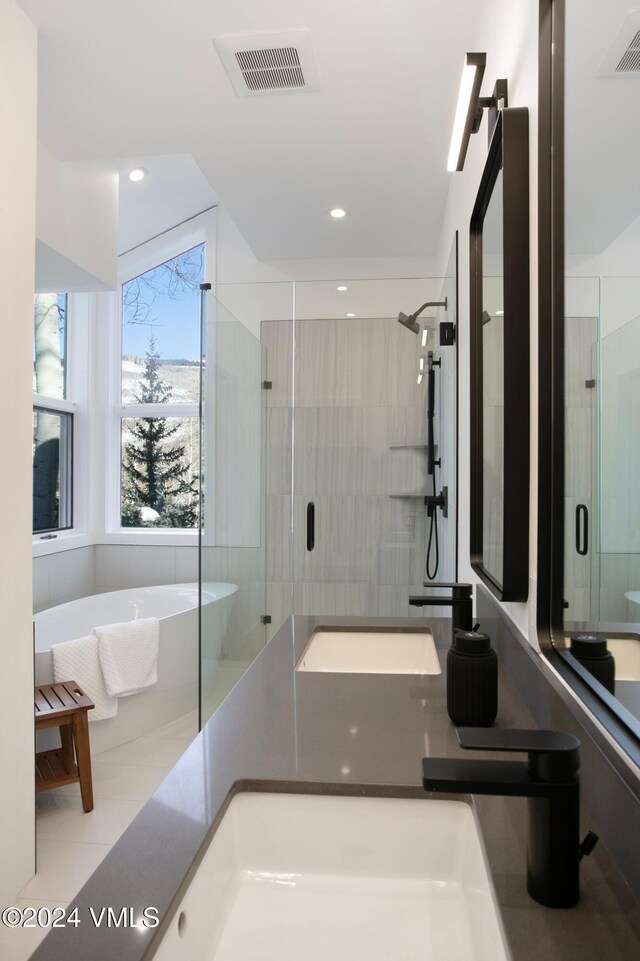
[(337, 733)]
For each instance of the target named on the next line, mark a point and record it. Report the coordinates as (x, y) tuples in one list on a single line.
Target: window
[(160, 394), (52, 418)]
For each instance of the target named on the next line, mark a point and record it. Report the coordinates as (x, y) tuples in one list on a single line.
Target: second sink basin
[(371, 652)]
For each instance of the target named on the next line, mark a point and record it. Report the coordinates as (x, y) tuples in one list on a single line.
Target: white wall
[(508, 32), (620, 259), (17, 229), (72, 198)]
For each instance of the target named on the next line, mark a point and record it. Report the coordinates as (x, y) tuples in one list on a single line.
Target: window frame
[(201, 229), (78, 320), (43, 405)]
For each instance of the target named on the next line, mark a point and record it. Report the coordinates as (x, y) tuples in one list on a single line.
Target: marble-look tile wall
[(359, 429), (581, 335)]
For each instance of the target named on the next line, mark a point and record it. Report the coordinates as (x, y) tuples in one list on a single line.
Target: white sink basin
[(371, 652), (290, 877)]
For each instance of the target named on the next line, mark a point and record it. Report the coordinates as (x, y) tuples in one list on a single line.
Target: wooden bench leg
[(83, 757), (66, 740)]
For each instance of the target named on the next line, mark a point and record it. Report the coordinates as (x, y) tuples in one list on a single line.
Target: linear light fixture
[(468, 111)]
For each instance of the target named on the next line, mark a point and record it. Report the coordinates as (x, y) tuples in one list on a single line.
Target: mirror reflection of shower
[(432, 501)]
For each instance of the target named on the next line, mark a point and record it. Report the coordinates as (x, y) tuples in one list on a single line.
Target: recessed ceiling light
[(342, 287), (138, 173), (338, 213), (350, 315)]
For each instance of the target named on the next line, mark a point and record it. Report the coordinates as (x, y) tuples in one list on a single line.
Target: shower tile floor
[(71, 844)]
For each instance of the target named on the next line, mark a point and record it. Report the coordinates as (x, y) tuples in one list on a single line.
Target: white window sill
[(159, 538), (64, 541)]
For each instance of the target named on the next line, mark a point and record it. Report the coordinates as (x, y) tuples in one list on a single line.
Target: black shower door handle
[(582, 529), (311, 525)]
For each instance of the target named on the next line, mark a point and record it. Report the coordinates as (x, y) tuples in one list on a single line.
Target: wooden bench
[(65, 705)]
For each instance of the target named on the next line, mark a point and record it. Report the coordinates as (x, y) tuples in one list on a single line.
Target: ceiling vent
[(623, 56), (269, 63)]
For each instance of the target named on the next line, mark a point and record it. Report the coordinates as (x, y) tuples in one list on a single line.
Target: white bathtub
[(176, 692)]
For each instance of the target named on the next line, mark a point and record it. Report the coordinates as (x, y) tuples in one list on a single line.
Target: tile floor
[(71, 844)]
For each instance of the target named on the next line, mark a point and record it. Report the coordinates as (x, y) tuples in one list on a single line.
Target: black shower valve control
[(441, 500), (447, 334)]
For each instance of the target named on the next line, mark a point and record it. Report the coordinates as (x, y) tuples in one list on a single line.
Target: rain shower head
[(409, 322)]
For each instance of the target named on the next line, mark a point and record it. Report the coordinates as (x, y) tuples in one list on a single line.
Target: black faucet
[(460, 602), (549, 779)]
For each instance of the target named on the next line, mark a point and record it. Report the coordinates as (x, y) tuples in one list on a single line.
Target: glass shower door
[(232, 519), (360, 458), (582, 389)]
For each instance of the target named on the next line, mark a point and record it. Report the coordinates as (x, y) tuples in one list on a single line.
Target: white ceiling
[(173, 190), (126, 80), (602, 144)]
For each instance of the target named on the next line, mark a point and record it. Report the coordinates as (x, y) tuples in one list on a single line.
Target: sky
[(173, 318)]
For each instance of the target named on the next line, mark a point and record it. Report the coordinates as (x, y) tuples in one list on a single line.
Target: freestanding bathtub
[(175, 693)]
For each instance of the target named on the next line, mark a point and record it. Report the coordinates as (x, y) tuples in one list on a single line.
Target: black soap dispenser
[(592, 652), (472, 680)]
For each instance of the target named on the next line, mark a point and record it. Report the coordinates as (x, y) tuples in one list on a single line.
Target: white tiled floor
[(71, 844)]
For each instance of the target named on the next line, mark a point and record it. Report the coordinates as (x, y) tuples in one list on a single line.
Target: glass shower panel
[(232, 530), (360, 458), (619, 452), (268, 308)]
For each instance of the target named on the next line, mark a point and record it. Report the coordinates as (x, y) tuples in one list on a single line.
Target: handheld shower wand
[(432, 501)]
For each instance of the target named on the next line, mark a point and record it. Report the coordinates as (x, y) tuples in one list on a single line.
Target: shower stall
[(318, 454), (602, 388)]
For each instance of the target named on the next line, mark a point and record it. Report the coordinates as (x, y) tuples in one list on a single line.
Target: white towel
[(78, 661), (129, 655)]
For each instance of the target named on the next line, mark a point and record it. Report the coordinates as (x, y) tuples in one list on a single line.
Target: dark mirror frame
[(605, 708), (509, 152)]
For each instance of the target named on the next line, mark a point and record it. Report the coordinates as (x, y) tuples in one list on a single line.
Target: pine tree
[(155, 472)]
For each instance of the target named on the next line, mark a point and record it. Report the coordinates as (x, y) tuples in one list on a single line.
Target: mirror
[(499, 251), (591, 85), (493, 384)]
